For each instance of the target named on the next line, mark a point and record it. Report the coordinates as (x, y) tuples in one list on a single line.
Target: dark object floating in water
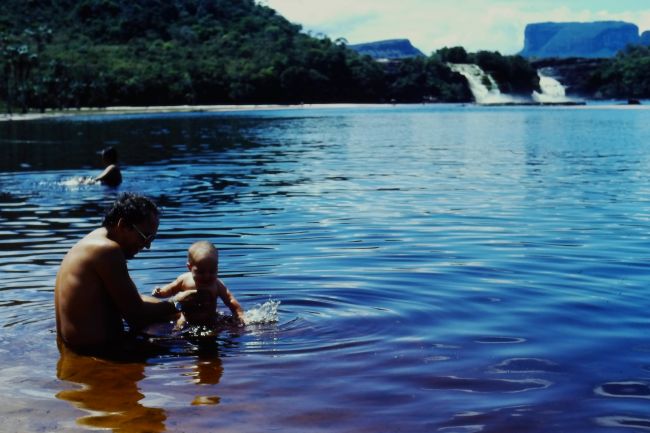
[(633, 101)]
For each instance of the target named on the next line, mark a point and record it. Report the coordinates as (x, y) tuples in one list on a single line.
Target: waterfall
[(552, 90), (482, 85)]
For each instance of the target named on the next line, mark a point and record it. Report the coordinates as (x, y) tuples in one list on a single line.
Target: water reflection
[(208, 371), (109, 393)]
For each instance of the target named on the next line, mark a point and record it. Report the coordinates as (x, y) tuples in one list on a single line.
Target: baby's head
[(203, 262)]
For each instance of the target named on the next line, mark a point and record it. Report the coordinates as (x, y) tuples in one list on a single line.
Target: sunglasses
[(146, 238)]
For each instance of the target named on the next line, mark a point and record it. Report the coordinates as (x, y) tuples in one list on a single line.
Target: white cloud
[(431, 24)]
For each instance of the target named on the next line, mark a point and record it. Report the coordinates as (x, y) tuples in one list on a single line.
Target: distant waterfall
[(482, 85), (552, 90)]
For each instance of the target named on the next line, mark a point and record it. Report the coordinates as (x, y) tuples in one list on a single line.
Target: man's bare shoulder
[(86, 262), (96, 246)]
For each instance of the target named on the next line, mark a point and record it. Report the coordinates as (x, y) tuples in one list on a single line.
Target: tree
[(452, 55)]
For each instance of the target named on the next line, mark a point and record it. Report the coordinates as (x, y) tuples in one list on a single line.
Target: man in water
[(94, 291), (111, 176)]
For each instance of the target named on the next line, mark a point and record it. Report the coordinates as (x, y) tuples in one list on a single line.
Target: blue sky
[(495, 25)]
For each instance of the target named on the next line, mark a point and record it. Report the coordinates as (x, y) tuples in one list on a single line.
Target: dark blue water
[(438, 268)]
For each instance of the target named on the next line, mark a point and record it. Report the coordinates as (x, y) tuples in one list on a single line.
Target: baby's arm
[(170, 289), (230, 301)]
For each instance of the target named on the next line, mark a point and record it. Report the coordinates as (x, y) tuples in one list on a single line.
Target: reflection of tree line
[(109, 390)]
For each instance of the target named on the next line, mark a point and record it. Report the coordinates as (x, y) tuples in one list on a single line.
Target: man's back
[(86, 314)]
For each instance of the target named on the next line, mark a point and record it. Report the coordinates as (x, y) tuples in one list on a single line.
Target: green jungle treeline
[(94, 53), (627, 75)]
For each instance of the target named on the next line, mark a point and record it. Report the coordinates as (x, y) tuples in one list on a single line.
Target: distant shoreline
[(117, 110), (51, 114)]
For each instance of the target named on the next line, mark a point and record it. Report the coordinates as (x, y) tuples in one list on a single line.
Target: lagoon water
[(438, 268)]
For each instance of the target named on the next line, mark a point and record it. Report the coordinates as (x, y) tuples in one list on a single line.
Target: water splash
[(551, 90), (484, 88), (259, 315), (78, 181), (262, 313)]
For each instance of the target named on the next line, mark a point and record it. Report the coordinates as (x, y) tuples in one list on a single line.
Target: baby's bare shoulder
[(186, 281)]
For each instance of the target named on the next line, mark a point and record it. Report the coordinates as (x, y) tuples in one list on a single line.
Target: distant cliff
[(588, 40), (388, 49)]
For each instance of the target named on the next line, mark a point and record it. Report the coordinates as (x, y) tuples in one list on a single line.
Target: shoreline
[(118, 110)]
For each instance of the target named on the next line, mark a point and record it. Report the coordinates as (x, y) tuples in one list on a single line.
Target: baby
[(198, 289)]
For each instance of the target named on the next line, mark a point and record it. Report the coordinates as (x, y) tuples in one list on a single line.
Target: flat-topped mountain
[(573, 39), (388, 49)]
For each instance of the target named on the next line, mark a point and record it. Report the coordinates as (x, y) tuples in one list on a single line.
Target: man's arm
[(138, 312), (157, 310), (230, 301), (108, 171)]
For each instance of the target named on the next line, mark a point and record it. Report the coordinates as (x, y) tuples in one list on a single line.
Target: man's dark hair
[(132, 208), (110, 155)]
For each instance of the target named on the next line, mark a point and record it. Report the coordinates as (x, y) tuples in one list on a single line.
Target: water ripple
[(624, 422), (483, 385), (487, 269), (628, 389)]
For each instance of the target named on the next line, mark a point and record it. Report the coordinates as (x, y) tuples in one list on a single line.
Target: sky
[(493, 25)]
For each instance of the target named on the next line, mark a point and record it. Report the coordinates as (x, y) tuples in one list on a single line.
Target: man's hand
[(188, 300)]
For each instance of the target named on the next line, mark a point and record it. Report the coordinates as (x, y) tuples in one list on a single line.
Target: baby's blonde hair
[(199, 249)]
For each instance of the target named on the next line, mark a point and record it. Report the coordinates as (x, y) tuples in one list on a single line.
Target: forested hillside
[(102, 52), (627, 75), (95, 53), (71, 53)]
